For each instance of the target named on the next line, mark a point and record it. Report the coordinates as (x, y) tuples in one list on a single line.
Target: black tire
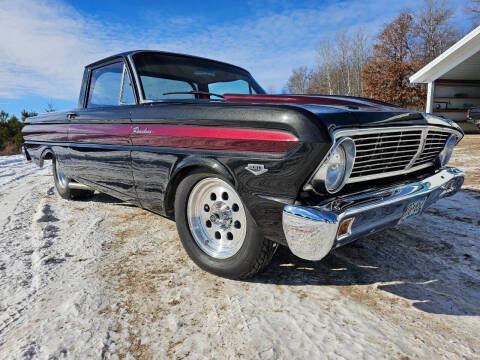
[(254, 255), (64, 190)]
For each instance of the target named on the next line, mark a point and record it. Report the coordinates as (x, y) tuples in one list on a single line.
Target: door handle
[(71, 115)]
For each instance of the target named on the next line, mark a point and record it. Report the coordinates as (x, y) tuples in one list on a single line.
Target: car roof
[(132, 52)]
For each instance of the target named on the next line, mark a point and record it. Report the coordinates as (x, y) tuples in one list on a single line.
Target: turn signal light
[(345, 228)]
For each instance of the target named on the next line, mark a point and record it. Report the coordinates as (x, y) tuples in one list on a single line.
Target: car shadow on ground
[(107, 199), (433, 261), (430, 287)]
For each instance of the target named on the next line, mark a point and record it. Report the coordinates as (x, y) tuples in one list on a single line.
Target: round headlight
[(336, 168), (445, 155)]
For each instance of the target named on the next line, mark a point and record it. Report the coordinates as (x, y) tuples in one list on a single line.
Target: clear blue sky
[(45, 44)]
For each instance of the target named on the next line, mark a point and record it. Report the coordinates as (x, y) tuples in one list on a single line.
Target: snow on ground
[(103, 279)]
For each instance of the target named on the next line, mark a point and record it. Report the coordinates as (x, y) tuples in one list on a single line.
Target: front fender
[(180, 169), (191, 162)]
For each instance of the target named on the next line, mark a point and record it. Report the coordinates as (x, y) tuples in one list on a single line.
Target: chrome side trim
[(311, 232)]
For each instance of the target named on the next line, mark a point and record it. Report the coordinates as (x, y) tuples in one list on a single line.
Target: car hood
[(343, 111)]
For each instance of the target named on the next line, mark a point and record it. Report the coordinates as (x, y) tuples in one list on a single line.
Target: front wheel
[(62, 184), (216, 229)]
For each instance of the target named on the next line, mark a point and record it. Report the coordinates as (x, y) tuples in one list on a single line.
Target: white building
[(453, 80)]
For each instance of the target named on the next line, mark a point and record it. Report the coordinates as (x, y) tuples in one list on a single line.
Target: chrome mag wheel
[(61, 178), (216, 218)]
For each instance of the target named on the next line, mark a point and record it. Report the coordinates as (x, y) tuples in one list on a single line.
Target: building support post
[(430, 97)]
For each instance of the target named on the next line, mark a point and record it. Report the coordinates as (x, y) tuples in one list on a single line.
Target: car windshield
[(165, 76)]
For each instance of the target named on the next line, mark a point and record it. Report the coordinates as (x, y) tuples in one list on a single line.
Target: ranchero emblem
[(137, 130), (256, 169)]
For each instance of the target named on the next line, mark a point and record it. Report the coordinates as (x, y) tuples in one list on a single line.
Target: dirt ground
[(103, 279), (467, 157)]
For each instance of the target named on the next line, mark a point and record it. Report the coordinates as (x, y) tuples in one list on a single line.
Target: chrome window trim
[(138, 86), (122, 85)]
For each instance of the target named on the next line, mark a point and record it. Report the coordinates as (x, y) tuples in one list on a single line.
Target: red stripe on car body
[(111, 134), (213, 138), (189, 137)]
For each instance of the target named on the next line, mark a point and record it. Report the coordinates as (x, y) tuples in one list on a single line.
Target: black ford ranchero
[(200, 142)]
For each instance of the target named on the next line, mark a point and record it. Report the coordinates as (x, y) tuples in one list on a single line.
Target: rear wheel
[(216, 229), (62, 184)]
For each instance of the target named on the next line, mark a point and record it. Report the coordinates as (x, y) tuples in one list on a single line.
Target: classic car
[(240, 171)]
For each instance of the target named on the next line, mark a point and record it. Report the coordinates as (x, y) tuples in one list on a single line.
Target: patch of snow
[(7, 160), (101, 279)]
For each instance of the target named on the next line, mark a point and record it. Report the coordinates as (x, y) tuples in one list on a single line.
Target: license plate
[(413, 208)]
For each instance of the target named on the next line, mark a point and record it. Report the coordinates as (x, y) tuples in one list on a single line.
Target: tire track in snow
[(17, 274)]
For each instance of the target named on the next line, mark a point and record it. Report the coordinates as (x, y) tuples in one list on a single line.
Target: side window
[(110, 85)]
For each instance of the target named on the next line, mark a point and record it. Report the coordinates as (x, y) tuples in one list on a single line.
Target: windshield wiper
[(193, 92)]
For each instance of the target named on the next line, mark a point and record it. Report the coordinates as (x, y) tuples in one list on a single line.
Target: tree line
[(355, 66), (11, 139)]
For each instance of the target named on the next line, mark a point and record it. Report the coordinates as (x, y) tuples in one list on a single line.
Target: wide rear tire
[(217, 230)]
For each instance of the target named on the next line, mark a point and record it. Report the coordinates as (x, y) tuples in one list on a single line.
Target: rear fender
[(47, 154)]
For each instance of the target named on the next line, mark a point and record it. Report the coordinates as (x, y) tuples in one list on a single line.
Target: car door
[(99, 133)]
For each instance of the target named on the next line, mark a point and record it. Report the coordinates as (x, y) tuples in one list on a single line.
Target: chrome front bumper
[(311, 232)]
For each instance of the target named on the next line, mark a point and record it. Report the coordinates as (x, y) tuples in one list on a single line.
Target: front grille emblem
[(421, 147)]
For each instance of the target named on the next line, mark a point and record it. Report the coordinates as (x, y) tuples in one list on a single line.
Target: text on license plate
[(413, 208)]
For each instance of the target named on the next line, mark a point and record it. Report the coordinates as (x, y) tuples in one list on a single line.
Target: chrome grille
[(434, 143), (383, 152)]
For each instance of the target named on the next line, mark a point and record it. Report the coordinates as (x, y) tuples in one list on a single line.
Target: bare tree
[(50, 107), (472, 10), (299, 80), (434, 30), (323, 78), (340, 64)]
